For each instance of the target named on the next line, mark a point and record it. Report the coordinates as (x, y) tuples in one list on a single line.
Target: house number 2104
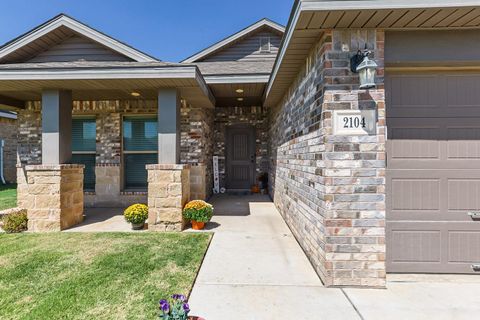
[(354, 122)]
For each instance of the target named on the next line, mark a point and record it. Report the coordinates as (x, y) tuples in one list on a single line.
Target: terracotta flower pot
[(195, 318), (197, 225)]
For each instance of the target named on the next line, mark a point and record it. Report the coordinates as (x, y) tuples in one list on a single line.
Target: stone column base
[(168, 192), (52, 195)]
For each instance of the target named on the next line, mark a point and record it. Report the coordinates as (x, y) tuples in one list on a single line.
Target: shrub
[(198, 210), (15, 222), (136, 213)]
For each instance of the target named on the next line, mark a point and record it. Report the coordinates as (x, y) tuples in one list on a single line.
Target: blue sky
[(168, 30)]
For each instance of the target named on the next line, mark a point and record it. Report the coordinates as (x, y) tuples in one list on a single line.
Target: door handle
[(252, 158), (474, 214)]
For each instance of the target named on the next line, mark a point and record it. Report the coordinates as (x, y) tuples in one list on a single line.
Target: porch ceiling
[(90, 81), (310, 18), (226, 94)]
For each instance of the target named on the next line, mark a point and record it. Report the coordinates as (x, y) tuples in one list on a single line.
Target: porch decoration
[(136, 214), (175, 309), (198, 212)]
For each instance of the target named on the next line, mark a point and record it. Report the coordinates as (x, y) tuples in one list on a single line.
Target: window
[(265, 44), (140, 147), (84, 141)]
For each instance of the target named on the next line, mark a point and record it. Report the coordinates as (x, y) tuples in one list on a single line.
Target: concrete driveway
[(255, 269)]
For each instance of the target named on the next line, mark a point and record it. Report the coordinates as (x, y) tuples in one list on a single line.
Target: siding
[(248, 49), (78, 48)]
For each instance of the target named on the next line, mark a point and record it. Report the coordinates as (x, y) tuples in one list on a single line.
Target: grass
[(95, 275), (8, 196)]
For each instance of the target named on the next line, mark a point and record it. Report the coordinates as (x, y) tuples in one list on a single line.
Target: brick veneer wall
[(252, 115), (197, 148), (331, 189), (8, 133), (196, 142)]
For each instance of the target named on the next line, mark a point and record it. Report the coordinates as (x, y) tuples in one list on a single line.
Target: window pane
[(140, 134), (135, 171), (89, 173), (83, 135)]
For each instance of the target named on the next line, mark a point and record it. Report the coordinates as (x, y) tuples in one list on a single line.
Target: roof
[(235, 37), (309, 18), (235, 67), (64, 21)]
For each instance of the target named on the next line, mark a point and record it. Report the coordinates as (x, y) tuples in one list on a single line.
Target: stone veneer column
[(168, 192), (52, 195)]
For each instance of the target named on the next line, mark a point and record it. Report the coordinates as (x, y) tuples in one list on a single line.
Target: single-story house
[(8, 146), (370, 178)]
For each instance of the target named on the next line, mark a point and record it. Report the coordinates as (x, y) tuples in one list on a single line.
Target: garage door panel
[(441, 247), (441, 143), (433, 95), (412, 94), (432, 195)]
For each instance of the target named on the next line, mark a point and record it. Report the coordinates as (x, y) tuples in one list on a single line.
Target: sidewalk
[(254, 269)]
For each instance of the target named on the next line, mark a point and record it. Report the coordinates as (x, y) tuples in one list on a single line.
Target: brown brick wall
[(331, 189), (8, 133)]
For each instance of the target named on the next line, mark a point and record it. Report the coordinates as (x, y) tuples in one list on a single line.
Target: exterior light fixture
[(239, 99), (239, 90), (366, 69), (135, 94)]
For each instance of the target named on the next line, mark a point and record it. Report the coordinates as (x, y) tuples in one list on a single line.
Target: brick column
[(168, 192), (354, 169), (52, 195)]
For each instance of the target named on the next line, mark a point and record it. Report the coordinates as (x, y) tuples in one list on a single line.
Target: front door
[(240, 160)]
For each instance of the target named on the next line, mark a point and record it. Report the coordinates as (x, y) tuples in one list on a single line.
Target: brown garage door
[(433, 172)]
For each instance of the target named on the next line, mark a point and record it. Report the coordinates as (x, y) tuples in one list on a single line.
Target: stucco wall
[(331, 189), (8, 133)]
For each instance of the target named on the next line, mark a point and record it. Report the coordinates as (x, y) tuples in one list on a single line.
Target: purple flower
[(165, 307), (186, 307), (162, 302), (180, 297)]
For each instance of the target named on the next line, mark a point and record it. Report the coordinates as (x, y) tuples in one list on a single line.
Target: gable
[(249, 48), (78, 48), (60, 37)]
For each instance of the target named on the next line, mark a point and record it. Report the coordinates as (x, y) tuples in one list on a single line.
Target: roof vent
[(265, 44)]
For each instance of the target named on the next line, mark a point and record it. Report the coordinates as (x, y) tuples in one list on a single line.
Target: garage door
[(433, 172)]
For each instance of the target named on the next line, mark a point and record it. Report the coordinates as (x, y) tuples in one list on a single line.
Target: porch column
[(52, 192), (168, 181), (56, 126), (168, 126)]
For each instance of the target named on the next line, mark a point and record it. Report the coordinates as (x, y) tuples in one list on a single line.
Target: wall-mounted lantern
[(366, 69)]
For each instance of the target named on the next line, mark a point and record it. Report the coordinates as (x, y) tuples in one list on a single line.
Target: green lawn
[(8, 196), (95, 275)]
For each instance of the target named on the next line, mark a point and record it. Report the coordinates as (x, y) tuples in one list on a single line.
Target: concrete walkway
[(102, 220), (255, 269)]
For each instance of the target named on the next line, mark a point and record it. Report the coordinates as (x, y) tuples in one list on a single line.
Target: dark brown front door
[(240, 161)]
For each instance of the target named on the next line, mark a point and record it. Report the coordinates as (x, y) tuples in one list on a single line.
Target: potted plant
[(198, 212), (263, 181), (136, 214), (176, 309)]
